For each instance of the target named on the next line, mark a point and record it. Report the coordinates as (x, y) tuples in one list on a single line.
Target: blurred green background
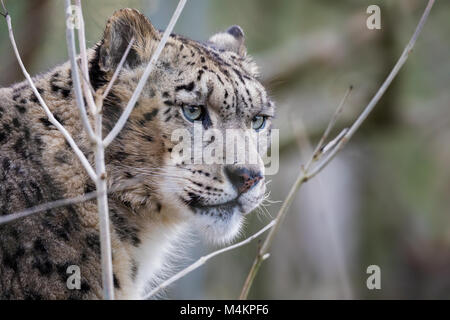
[(385, 200)]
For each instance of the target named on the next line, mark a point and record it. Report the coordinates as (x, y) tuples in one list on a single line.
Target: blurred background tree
[(384, 200)]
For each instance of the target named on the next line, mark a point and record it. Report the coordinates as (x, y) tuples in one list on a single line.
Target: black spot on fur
[(124, 229), (116, 282), (188, 87), (150, 115), (93, 242), (45, 122), (16, 122), (134, 269), (10, 261), (38, 246), (18, 146), (26, 132), (6, 163), (111, 111), (97, 76), (21, 109), (33, 98), (62, 157), (148, 138), (65, 92), (89, 188), (44, 266), (85, 287), (120, 156), (199, 76)]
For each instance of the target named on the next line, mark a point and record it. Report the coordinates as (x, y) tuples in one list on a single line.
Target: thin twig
[(203, 260), (49, 114), (304, 176), (60, 203), (142, 82), (71, 49), (401, 61), (84, 62), (330, 127), (86, 78), (119, 67)]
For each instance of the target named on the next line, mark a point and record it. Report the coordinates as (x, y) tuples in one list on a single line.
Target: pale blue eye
[(258, 123), (193, 113)]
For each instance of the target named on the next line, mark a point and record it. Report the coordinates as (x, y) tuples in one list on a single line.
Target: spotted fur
[(37, 165)]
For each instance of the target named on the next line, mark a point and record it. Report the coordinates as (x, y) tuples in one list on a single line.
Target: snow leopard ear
[(123, 26), (231, 40)]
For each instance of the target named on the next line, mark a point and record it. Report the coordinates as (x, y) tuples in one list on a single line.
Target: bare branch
[(317, 152), (204, 259), (47, 206), (63, 202), (401, 61), (84, 62), (70, 37), (137, 92), (304, 176), (99, 150)]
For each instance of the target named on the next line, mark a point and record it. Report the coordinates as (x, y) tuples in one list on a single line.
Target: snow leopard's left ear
[(231, 40), (124, 25)]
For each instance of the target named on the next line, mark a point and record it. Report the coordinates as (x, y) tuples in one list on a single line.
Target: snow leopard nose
[(243, 179)]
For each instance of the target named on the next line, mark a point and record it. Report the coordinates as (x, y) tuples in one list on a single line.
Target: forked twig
[(305, 175)]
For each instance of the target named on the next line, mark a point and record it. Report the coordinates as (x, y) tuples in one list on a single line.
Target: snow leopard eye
[(193, 113), (259, 122)]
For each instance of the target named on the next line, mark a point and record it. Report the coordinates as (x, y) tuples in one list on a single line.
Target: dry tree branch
[(99, 151), (96, 109), (204, 259), (305, 175)]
